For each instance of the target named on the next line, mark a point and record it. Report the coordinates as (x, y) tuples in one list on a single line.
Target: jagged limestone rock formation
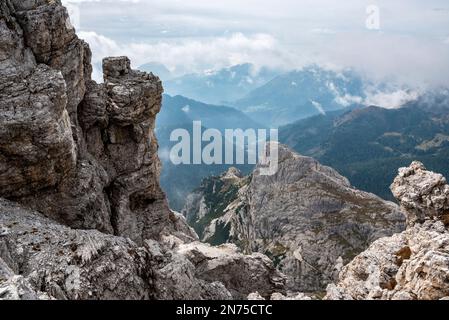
[(36, 145), (240, 274), (40, 258), (85, 156), (306, 217), (279, 296), (413, 264), (422, 194), (81, 153), (205, 207)]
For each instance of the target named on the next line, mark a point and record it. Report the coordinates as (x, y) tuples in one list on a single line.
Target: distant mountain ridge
[(367, 145), (321, 113), (179, 109), (220, 86), (303, 93), (179, 112)]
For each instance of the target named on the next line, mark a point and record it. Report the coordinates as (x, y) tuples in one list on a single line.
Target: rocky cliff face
[(306, 217), (76, 155), (82, 153), (413, 264)]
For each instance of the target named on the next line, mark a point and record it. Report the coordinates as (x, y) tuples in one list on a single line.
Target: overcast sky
[(411, 46)]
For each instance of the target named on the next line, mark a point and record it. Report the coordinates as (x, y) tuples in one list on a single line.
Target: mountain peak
[(232, 173), (291, 214)]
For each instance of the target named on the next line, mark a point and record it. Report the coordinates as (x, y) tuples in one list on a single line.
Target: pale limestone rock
[(78, 264), (279, 296), (291, 296), (239, 273), (422, 194), (15, 287), (255, 296), (410, 265)]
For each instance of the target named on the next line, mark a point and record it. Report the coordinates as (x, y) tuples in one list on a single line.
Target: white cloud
[(413, 61), (391, 100), (195, 35), (323, 31), (318, 106), (190, 55), (347, 100)]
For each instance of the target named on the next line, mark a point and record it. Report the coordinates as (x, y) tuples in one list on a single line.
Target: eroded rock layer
[(410, 265), (42, 259)]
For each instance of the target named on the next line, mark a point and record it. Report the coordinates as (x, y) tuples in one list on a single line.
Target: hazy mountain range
[(179, 113), (182, 110), (321, 114), (268, 96), (367, 145), (219, 86), (300, 94)]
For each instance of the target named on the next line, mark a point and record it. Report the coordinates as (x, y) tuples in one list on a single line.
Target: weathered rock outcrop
[(16, 287), (206, 208), (422, 194), (81, 153), (85, 216), (306, 217), (280, 296), (42, 259), (36, 145), (239, 273), (413, 264)]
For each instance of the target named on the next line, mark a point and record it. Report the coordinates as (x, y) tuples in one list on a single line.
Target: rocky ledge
[(413, 264), (41, 259)]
